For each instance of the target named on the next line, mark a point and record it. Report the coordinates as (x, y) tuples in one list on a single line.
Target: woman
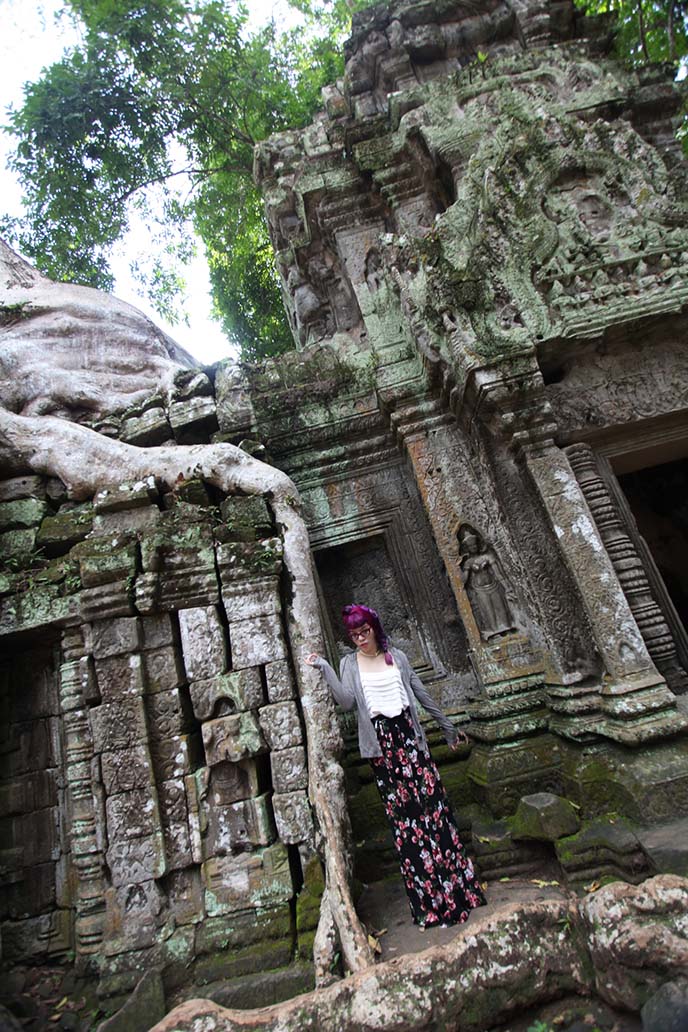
[(440, 881)]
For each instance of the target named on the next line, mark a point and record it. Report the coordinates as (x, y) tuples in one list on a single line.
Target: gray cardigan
[(348, 691)]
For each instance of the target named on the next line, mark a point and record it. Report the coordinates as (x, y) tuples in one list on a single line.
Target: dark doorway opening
[(658, 499)]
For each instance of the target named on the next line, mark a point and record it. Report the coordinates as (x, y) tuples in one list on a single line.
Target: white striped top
[(383, 691)]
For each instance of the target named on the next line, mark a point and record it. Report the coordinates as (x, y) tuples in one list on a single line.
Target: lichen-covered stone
[(281, 725), (232, 738), (289, 770), (126, 496), (293, 816), (238, 690), (203, 642), (280, 681), (262, 877), (59, 533), (544, 817), (257, 641), (22, 513)]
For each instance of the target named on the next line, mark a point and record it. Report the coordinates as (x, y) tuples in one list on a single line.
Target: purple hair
[(355, 616)]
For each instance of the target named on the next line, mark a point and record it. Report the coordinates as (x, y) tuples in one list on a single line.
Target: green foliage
[(646, 30), (159, 94)]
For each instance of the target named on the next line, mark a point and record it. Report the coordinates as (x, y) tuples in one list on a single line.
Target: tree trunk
[(670, 32), (86, 462), (641, 30)]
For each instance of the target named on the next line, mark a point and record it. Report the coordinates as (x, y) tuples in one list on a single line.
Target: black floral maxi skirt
[(440, 881)]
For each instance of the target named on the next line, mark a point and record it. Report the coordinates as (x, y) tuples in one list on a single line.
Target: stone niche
[(153, 772)]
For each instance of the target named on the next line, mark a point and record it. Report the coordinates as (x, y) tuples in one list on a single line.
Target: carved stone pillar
[(636, 704), (629, 567), (85, 836), (513, 754)]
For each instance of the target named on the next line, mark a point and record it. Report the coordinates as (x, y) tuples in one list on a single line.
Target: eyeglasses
[(361, 632)]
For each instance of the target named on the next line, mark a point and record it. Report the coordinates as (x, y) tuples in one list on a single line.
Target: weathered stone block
[(289, 769), (163, 668), (114, 637), (132, 520), (127, 770), (118, 725), (248, 560), (119, 676), (22, 513), (134, 913), (260, 879), (238, 690), (144, 1008), (169, 713), (126, 496), (101, 562), (22, 487), (666, 846), (246, 513), (246, 600), (257, 641), (230, 782), (158, 631), (248, 926), (17, 542), (203, 642), (173, 757), (34, 791), (61, 532), (239, 827), (185, 896), (293, 817), (106, 601), (172, 800), (148, 429), (178, 851), (232, 738), (136, 860), (77, 684), (48, 935), (234, 407), (198, 413), (281, 725), (544, 817), (132, 815), (245, 960), (29, 891), (280, 681)]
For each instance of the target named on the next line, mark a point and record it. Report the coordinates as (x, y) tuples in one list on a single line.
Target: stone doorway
[(35, 904), (657, 497)]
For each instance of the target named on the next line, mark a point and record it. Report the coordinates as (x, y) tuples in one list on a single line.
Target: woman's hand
[(311, 658), (461, 739)]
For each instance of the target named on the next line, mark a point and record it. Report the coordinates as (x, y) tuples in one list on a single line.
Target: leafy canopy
[(646, 30), (164, 94)]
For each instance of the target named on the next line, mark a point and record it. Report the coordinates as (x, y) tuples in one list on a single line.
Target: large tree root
[(86, 462), (620, 944)]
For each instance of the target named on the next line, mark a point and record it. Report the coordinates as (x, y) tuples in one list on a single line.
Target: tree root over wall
[(621, 943)]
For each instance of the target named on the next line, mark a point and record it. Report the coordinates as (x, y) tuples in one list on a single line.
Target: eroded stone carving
[(485, 584)]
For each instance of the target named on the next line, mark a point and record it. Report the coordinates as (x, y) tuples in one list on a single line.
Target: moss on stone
[(69, 526)]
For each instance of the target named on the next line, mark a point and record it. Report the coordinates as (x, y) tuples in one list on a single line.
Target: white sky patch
[(32, 37)]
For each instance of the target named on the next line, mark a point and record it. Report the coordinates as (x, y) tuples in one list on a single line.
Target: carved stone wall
[(153, 771)]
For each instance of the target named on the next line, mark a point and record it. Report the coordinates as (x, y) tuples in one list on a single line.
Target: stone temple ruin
[(483, 246)]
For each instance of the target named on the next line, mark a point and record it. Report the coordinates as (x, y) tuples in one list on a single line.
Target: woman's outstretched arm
[(343, 695)]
